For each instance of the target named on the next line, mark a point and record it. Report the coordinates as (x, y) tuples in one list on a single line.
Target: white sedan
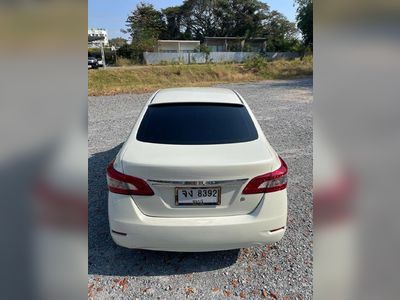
[(196, 174)]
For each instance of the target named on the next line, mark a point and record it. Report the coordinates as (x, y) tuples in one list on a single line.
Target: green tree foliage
[(125, 51), (280, 32), (173, 19), (145, 25), (242, 17), (197, 19), (203, 18), (305, 20), (118, 42)]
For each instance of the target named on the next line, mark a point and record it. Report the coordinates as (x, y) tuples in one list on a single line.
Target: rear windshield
[(196, 124)]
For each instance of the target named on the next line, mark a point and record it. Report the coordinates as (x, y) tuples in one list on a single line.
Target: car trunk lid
[(166, 167)]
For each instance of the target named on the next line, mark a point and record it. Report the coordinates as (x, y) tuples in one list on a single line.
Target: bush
[(124, 62), (255, 64), (279, 69), (108, 54), (308, 58), (129, 52)]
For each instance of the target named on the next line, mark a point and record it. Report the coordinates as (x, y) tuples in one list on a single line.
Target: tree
[(232, 18), (145, 25), (173, 20), (118, 42), (199, 18), (280, 32), (305, 20), (246, 18)]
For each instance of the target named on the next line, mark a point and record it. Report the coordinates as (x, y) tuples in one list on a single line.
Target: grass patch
[(280, 69), (124, 62), (150, 78)]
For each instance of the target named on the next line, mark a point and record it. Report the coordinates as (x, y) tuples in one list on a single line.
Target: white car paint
[(157, 222)]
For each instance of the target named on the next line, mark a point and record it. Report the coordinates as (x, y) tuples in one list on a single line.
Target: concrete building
[(177, 46), (235, 44), (96, 37)]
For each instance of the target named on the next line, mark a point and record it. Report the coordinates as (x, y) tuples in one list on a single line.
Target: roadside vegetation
[(141, 79), (198, 19), (279, 69)]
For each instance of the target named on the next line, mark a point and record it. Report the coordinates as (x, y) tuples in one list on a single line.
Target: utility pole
[(103, 57), (115, 53)]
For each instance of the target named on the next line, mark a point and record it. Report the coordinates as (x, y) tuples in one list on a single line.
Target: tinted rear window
[(196, 124)]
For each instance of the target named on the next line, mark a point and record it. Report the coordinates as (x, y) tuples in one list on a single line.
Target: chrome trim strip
[(196, 183)]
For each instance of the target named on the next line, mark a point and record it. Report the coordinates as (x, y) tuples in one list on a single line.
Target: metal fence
[(156, 58)]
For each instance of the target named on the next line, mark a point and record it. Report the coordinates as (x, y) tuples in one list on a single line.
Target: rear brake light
[(270, 182), (120, 183)]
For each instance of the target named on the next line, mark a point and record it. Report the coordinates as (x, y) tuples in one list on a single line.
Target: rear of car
[(100, 62), (92, 63), (197, 174)]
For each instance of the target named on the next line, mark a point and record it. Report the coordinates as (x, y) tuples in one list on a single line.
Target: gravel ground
[(279, 271)]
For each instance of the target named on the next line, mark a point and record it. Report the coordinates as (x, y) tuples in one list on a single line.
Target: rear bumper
[(130, 228)]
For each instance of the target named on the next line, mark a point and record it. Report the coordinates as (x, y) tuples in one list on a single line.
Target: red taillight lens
[(270, 182), (120, 183)]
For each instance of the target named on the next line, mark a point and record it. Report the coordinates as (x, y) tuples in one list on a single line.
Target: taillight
[(270, 182), (120, 183)]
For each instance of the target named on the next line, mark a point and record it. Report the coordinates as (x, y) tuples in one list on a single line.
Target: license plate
[(198, 196)]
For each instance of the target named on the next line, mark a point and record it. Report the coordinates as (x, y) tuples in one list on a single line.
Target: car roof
[(199, 95)]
